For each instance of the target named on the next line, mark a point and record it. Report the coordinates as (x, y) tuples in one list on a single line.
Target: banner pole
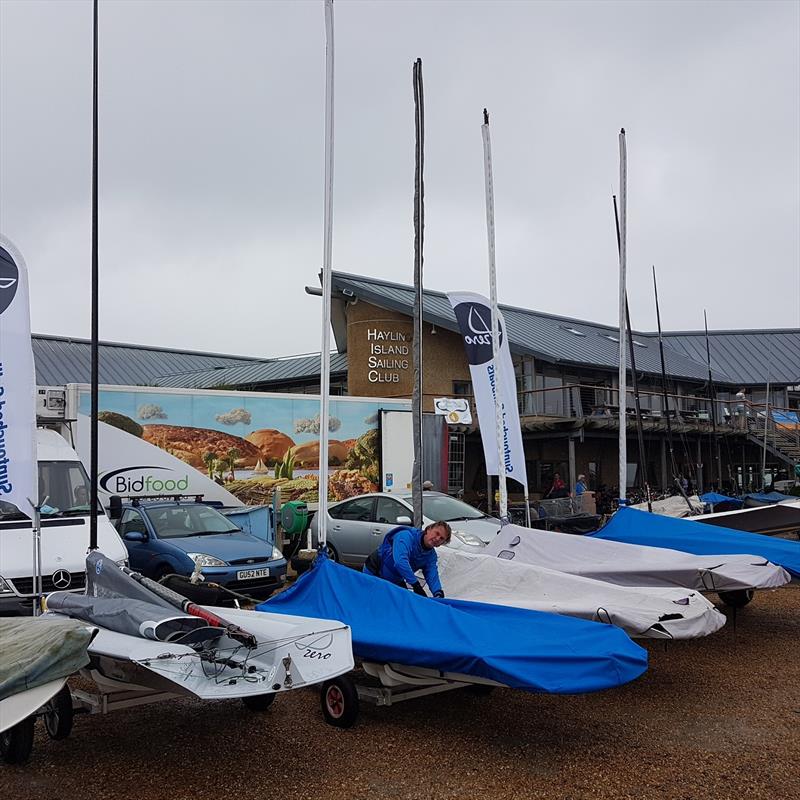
[(325, 354), (498, 405)]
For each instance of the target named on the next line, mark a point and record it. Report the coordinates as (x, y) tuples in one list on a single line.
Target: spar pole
[(496, 360), (325, 354), (419, 231), (712, 395), (94, 391), (623, 255)]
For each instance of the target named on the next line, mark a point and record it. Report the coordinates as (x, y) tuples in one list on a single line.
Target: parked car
[(172, 536), (357, 526)]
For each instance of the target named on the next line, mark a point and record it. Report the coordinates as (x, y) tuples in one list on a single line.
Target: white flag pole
[(487, 166), (325, 354), (622, 394)]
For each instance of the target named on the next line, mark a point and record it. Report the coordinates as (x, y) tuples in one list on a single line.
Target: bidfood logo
[(475, 323), (134, 480), (9, 279)]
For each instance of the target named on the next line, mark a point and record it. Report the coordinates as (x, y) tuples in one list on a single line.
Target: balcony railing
[(576, 401)]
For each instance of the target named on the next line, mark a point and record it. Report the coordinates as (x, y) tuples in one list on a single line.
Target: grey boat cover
[(635, 565), (115, 601), (35, 651)]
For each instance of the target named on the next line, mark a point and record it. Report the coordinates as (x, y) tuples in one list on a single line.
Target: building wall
[(379, 354)]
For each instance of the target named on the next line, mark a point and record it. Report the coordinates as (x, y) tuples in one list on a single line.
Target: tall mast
[(713, 397), (419, 231), (325, 354), (666, 398), (95, 350), (636, 399), (766, 419), (622, 248)]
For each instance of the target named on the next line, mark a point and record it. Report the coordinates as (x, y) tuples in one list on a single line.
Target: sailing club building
[(567, 389)]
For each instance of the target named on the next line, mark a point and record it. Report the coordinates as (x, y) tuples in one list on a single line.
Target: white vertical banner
[(474, 316), (18, 470)]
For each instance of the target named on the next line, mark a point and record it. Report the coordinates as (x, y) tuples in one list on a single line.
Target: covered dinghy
[(36, 657), (637, 527), (769, 519), (518, 648), (641, 612), (209, 652), (634, 564)]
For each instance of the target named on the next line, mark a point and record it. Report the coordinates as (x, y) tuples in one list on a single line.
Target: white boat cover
[(634, 565), (675, 506), (641, 612)]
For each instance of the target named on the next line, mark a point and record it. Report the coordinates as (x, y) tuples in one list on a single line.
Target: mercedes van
[(64, 488)]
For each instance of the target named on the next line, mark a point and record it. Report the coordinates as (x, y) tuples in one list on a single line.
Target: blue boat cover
[(523, 649), (638, 527), (769, 497), (716, 499)]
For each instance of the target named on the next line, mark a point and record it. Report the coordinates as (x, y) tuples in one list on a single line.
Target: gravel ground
[(716, 718)]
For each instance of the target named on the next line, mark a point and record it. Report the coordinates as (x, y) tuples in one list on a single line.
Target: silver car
[(357, 526)]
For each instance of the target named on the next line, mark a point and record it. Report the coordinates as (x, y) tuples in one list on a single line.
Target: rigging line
[(635, 380), (665, 397)]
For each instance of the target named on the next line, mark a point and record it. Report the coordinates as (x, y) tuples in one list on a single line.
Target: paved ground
[(715, 719)]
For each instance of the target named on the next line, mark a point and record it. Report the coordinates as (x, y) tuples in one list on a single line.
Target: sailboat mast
[(325, 353), (665, 397), (636, 398), (622, 248), (95, 371), (713, 398), (487, 162), (419, 230), (766, 419)]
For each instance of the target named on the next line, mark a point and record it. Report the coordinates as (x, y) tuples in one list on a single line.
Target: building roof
[(61, 360), (736, 356), (272, 371)]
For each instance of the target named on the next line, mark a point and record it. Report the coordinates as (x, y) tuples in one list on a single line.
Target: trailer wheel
[(16, 743), (340, 702), (259, 702), (737, 599), (58, 715)]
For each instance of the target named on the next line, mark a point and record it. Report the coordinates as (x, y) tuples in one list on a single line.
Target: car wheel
[(340, 702), (330, 551), (163, 571), (16, 743), (259, 702), (737, 599), (58, 715)]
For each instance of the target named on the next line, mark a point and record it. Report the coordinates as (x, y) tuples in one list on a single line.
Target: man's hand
[(417, 587), (438, 593)]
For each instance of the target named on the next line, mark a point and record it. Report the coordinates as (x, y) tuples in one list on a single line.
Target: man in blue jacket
[(405, 550)]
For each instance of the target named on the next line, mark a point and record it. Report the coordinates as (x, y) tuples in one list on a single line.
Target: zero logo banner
[(491, 383), (9, 279)]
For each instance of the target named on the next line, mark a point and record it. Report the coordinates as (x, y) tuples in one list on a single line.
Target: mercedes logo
[(61, 579)]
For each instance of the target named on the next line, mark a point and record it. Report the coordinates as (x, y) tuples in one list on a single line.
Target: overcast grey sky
[(211, 159)]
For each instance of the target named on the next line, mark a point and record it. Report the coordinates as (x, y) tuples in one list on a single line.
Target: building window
[(455, 462), (462, 388)]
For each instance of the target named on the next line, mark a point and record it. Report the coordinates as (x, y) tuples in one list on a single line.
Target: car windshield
[(172, 522), (442, 507)]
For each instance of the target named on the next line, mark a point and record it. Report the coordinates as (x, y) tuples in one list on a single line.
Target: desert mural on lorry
[(252, 443)]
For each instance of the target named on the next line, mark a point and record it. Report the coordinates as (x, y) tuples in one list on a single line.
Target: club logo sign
[(475, 322), (9, 279)]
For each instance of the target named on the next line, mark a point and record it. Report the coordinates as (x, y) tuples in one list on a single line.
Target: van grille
[(25, 585)]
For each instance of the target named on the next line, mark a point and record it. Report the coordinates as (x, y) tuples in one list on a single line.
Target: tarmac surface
[(714, 718)]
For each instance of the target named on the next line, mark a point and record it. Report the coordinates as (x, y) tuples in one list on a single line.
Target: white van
[(65, 530)]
